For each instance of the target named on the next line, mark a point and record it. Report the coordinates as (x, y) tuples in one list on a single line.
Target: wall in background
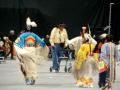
[(48, 13)]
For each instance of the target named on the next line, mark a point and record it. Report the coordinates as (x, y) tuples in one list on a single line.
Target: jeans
[(57, 51), (102, 79)]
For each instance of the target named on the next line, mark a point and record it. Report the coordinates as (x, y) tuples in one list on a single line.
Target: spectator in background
[(46, 39), (7, 44), (1, 42), (12, 38), (2, 49)]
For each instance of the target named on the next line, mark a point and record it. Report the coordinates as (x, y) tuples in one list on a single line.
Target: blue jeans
[(57, 51)]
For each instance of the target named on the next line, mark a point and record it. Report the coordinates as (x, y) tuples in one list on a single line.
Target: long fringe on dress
[(89, 67), (36, 54), (29, 57)]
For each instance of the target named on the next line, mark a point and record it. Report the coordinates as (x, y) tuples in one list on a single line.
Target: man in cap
[(58, 40)]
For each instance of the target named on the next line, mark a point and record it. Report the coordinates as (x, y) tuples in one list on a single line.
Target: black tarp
[(47, 13)]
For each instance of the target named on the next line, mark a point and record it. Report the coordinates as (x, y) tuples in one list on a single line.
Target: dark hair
[(109, 38), (85, 40), (61, 25), (87, 29)]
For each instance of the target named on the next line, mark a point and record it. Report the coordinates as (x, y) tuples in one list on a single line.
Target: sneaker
[(32, 82), (55, 71), (28, 82), (91, 86)]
